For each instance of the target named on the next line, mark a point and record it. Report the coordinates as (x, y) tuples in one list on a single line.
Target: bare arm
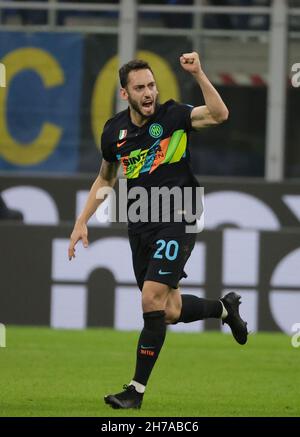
[(106, 178), (214, 111)]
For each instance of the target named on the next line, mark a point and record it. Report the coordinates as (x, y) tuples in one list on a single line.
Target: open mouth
[(147, 105)]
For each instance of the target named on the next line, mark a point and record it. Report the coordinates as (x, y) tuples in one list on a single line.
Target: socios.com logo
[(156, 130)]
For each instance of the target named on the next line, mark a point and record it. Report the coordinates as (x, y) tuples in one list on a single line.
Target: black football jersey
[(154, 155)]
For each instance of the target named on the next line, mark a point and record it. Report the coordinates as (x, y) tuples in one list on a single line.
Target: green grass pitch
[(46, 372)]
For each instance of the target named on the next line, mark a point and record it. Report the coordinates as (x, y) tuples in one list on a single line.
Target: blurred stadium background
[(60, 70)]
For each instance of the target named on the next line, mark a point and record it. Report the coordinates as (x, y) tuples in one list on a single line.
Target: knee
[(152, 302), (173, 307), (172, 315), (154, 297)]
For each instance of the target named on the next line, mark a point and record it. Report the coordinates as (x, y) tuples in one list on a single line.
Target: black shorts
[(160, 255)]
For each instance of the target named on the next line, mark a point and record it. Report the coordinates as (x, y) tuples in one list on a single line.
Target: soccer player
[(150, 141)]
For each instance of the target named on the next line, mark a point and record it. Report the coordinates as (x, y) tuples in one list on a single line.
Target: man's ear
[(123, 94)]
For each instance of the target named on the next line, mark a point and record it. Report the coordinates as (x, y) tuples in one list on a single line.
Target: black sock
[(195, 308), (150, 343)]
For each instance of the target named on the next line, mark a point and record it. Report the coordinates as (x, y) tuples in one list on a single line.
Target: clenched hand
[(190, 62)]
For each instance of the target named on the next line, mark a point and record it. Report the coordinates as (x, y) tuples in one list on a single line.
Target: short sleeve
[(183, 115), (106, 144)]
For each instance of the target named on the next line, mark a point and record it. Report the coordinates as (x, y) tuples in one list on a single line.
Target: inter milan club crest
[(122, 134), (155, 130)]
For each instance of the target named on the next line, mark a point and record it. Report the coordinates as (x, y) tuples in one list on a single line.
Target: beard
[(136, 107)]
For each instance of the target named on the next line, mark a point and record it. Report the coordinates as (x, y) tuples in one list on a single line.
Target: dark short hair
[(136, 64)]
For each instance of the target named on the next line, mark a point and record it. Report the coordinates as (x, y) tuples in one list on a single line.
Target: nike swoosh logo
[(163, 273), (148, 347), (121, 144)]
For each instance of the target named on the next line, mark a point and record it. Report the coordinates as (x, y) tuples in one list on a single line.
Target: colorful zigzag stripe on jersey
[(166, 151)]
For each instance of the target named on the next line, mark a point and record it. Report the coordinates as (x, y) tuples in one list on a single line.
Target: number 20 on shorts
[(168, 249)]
